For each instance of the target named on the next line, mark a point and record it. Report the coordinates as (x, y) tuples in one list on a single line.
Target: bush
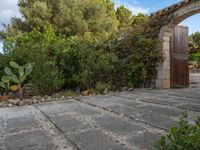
[(50, 79), (100, 87), (85, 60), (69, 93), (137, 59), (195, 57), (38, 47), (195, 37), (81, 43), (4, 61), (185, 136)]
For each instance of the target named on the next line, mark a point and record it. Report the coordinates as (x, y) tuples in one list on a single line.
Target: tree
[(125, 17), (140, 19), (68, 17), (78, 43), (195, 37)]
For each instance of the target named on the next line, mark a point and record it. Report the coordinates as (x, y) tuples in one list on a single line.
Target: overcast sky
[(8, 9)]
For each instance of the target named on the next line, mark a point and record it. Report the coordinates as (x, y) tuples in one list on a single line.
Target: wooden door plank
[(179, 65)]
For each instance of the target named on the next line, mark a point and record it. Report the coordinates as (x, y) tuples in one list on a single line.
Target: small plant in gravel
[(184, 136), (18, 74)]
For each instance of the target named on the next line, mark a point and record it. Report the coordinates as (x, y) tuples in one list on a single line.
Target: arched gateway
[(166, 20)]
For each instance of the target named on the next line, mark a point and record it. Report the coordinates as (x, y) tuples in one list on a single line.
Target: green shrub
[(100, 87), (85, 60), (195, 37), (50, 79), (4, 61), (5, 83), (80, 43), (38, 47), (184, 136), (195, 57), (137, 59), (82, 61), (69, 93)]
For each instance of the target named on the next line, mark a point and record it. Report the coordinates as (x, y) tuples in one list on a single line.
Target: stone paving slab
[(162, 97), (30, 140), (26, 128), (118, 121), (96, 139), (195, 80)]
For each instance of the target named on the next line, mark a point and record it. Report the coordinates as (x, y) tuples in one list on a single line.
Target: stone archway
[(167, 19)]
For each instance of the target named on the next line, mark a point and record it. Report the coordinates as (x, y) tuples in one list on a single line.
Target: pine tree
[(68, 17), (125, 17)]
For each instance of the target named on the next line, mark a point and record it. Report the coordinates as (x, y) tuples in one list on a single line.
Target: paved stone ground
[(118, 121), (195, 80)]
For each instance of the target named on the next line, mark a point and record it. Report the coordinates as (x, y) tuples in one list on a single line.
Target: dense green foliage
[(137, 58), (37, 47), (67, 17), (100, 87), (80, 43), (3, 63), (195, 37), (125, 17), (185, 136), (89, 59), (195, 56)]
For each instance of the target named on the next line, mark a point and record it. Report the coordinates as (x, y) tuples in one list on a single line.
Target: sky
[(8, 9)]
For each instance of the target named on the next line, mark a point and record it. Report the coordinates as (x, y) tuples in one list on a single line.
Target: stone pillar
[(174, 16), (163, 70)]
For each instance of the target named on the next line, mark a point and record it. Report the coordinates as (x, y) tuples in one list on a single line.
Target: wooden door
[(179, 64)]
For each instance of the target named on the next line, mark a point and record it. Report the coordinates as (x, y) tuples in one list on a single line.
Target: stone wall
[(164, 21)]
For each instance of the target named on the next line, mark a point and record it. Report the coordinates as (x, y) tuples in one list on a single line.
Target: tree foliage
[(125, 17), (89, 59), (79, 43), (195, 54), (137, 58), (68, 17), (195, 37), (140, 19)]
